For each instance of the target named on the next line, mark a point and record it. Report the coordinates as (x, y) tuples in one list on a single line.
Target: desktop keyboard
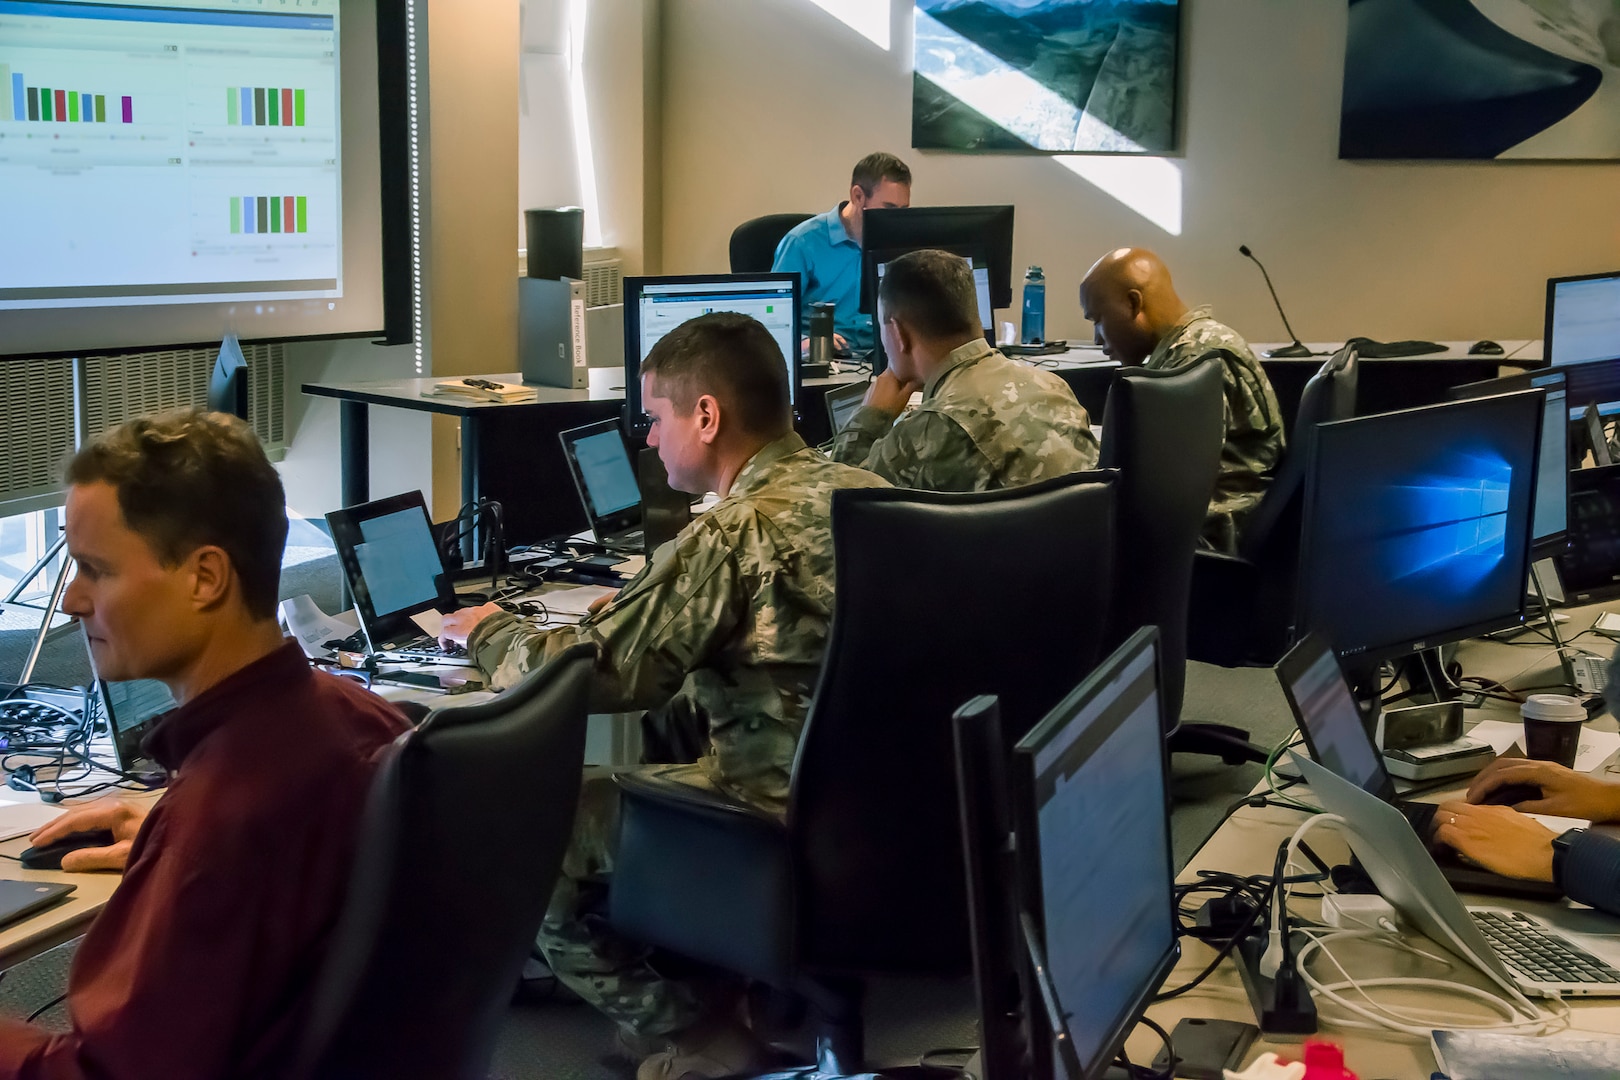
[(1591, 673), (1536, 955)]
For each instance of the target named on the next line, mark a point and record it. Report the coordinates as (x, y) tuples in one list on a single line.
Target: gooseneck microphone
[(1296, 349)]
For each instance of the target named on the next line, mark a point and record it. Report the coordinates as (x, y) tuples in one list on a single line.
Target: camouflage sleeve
[(660, 626), (865, 427), (929, 451)]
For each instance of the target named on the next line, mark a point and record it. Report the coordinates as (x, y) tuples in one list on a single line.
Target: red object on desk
[(1325, 1061)]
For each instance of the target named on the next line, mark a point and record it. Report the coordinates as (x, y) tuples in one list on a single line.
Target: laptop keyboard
[(1535, 955)]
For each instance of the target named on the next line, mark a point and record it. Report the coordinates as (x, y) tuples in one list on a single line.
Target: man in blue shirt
[(825, 251)]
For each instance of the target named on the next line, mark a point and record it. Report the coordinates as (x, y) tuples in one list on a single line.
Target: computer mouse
[(1486, 347), (49, 856), (1510, 794)]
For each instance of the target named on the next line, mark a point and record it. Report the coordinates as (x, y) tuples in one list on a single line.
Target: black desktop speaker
[(556, 242)]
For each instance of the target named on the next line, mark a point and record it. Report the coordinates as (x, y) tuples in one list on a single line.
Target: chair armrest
[(704, 876), (1221, 608)]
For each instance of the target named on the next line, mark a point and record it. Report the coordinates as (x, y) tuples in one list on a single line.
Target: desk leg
[(354, 466), (354, 452), (469, 484)]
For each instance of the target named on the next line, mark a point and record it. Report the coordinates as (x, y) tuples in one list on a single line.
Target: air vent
[(36, 429), (604, 283), (117, 388)]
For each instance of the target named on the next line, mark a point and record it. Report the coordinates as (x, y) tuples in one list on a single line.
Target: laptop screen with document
[(394, 570)]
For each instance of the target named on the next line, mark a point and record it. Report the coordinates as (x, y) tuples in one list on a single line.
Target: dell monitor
[(981, 233), (1583, 319), (653, 306), (1091, 814), (1549, 517), (1417, 524)]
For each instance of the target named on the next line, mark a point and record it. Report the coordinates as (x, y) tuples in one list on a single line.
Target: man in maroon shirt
[(201, 964)]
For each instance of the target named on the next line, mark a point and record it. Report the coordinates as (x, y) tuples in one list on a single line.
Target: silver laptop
[(1574, 954)]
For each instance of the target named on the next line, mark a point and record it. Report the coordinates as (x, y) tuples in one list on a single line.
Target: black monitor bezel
[(1313, 495), (983, 232), (1027, 845), (636, 422), (1554, 542), (1547, 319), (344, 525)]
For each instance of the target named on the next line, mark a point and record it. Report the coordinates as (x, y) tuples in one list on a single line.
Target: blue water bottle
[(1034, 328)]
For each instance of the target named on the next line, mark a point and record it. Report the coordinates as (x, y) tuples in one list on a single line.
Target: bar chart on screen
[(176, 151)]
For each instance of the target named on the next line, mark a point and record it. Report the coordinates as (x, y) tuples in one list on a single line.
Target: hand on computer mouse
[(1499, 838), (458, 626), (121, 817), (1564, 792)]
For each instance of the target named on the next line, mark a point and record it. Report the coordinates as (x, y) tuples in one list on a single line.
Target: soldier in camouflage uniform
[(732, 615), (1140, 320), (985, 421)]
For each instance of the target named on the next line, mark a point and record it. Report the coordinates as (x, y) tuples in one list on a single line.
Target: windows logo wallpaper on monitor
[(1448, 522)]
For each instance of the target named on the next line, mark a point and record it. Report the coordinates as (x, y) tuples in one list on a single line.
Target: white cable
[(1272, 958), (1417, 1021)]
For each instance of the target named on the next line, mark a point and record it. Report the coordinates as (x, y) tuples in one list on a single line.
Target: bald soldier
[(985, 421), (1128, 296)]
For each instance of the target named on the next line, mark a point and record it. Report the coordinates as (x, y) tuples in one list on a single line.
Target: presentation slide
[(172, 171), (167, 154)]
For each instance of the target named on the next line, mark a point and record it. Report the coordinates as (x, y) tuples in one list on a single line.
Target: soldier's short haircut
[(873, 169), (732, 357), (932, 292), (189, 478)]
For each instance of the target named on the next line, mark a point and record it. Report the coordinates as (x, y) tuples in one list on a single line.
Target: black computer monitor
[(1095, 876), (653, 306), (228, 385), (1549, 517), (981, 233), (1583, 318), (1416, 528)]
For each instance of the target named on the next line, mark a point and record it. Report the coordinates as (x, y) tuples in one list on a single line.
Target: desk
[(1247, 844)]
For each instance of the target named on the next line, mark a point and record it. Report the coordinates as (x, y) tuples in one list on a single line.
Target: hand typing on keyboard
[(1499, 838), (458, 626)]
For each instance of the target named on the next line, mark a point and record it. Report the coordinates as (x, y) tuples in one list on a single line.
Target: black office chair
[(1241, 608), (940, 597), (461, 841), (753, 243), (1163, 430)]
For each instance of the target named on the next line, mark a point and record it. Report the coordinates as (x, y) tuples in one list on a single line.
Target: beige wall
[(472, 187), (767, 104)]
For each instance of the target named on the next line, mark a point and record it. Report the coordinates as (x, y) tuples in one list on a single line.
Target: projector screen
[(175, 170)]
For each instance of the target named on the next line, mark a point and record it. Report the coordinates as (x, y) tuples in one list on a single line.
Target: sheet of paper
[(430, 622), (1595, 748), (312, 626), (22, 818), (573, 601)]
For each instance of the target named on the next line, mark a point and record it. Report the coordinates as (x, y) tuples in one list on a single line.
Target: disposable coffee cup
[(1552, 727)]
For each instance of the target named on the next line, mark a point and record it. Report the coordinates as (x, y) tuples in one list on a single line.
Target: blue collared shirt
[(828, 262)]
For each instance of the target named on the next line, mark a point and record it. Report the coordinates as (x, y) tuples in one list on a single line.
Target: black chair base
[(1230, 744)]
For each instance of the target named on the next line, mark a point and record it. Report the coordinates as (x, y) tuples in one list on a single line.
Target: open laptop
[(619, 497), (394, 571), (131, 708), (842, 401), (1328, 717), (1519, 952)]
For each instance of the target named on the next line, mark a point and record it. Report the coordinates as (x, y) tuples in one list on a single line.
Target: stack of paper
[(475, 389)]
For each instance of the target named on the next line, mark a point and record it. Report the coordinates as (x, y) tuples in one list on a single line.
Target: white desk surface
[(1247, 844)]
